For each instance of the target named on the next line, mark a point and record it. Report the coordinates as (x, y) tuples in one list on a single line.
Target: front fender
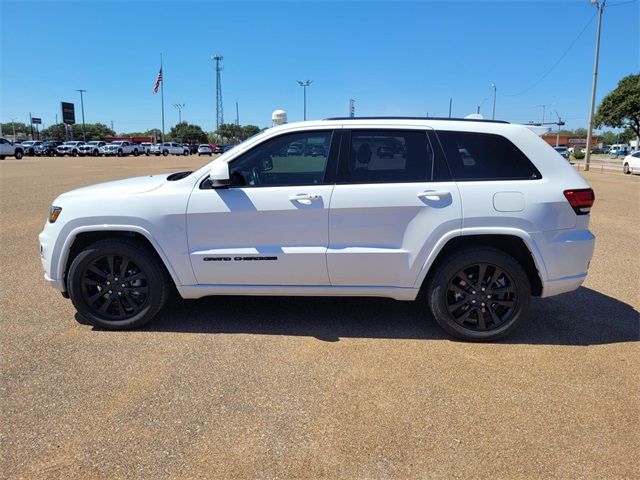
[(69, 233)]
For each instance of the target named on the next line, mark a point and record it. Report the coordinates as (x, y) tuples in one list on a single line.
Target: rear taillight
[(581, 200)]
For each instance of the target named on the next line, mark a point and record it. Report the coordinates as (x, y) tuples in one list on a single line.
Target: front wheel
[(165, 153), (117, 284), (479, 294), (626, 169)]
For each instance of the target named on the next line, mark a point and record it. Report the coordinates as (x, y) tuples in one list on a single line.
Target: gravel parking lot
[(235, 387)]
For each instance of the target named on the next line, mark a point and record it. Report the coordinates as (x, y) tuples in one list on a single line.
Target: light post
[(13, 127), (600, 6), (304, 84), (84, 136), (179, 107), (493, 116)]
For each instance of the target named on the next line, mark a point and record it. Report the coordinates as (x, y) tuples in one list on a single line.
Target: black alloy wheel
[(481, 297), (115, 287), (117, 284), (478, 293)]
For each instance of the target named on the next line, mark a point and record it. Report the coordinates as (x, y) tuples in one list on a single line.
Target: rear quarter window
[(485, 156)]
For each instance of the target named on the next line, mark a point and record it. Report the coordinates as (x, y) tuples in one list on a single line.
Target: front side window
[(484, 156), (292, 159), (388, 156)]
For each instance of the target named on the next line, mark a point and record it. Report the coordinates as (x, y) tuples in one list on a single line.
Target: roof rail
[(419, 118)]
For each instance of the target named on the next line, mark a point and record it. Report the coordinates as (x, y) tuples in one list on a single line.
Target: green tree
[(249, 131), (19, 127), (232, 133), (621, 107), (93, 131), (185, 132)]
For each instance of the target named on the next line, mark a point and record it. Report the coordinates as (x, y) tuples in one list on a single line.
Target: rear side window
[(388, 156), (485, 156)]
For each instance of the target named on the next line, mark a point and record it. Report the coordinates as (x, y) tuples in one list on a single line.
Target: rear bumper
[(566, 254)]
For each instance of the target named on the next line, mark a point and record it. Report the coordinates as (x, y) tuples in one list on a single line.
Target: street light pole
[(179, 107), (84, 136), (13, 127), (592, 107), (493, 116), (304, 84)]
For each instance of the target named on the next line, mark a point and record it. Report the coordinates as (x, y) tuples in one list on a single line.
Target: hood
[(129, 186)]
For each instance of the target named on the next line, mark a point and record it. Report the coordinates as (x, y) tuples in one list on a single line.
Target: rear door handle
[(434, 194), (304, 198)]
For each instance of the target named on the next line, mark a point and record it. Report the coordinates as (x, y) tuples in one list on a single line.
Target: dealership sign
[(68, 113)]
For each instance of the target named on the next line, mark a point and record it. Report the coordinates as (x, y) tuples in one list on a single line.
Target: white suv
[(476, 216), (167, 148)]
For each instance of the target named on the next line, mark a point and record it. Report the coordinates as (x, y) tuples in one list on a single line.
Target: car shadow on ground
[(583, 317)]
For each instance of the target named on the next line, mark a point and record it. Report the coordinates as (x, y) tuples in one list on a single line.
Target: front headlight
[(54, 213)]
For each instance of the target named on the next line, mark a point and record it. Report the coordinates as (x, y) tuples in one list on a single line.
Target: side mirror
[(219, 175)]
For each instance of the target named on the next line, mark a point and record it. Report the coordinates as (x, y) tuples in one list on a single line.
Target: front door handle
[(304, 198), (434, 195)]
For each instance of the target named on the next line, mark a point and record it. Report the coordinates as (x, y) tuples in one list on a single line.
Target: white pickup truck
[(8, 149), (167, 148), (121, 148)]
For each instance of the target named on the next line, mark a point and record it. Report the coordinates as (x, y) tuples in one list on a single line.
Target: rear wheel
[(165, 152), (117, 285), (479, 294)]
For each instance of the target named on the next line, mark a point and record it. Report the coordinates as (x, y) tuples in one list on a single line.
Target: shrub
[(578, 155)]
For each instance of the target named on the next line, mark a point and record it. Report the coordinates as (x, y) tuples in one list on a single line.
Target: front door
[(270, 227)]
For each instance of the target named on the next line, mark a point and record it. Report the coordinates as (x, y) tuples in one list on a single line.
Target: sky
[(392, 58)]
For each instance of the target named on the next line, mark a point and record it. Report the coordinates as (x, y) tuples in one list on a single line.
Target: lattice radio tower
[(219, 115)]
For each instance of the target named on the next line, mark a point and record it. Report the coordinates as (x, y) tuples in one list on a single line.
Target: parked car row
[(96, 148)]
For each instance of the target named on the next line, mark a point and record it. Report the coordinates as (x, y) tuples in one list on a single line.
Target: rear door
[(270, 227), (394, 199)]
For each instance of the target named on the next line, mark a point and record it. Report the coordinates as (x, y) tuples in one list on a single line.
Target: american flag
[(158, 81)]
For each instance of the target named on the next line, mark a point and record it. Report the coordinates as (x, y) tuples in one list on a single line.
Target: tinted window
[(388, 156), (293, 159), (483, 156)]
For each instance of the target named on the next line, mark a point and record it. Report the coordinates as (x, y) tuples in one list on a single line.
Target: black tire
[(165, 152), (136, 303), (185, 153), (147, 153), (2, 157), (135, 152), (96, 153), (120, 153), (498, 302), (626, 169)]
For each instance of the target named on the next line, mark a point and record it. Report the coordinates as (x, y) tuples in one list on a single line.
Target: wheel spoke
[(506, 289), (121, 309), (482, 272), (92, 268), (464, 316), (504, 303), (494, 316), (106, 304), (110, 262), (95, 297), (123, 266), (131, 278), (457, 289), (454, 306), (140, 289), (464, 278), (481, 324), (496, 275)]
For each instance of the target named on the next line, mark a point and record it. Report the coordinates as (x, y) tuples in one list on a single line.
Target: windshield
[(116, 143), (69, 143), (28, 143), (92, 143)]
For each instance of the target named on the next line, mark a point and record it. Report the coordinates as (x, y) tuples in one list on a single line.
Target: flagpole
[(162, 97)]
